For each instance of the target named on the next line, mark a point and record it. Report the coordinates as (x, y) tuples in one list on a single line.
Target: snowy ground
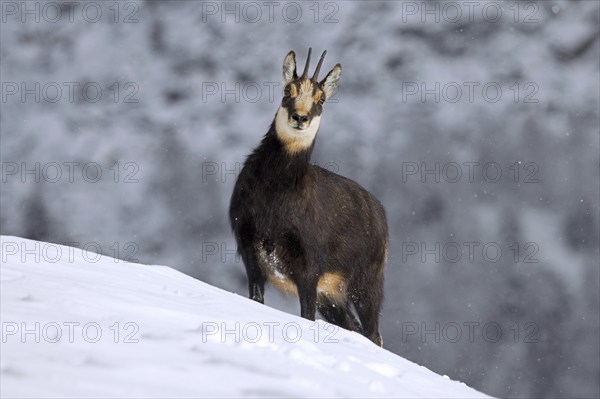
[(75, 324), (166, 149)]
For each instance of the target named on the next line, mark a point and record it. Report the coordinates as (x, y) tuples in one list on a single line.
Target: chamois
[(304, 229)]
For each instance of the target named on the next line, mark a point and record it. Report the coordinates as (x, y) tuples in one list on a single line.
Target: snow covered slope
[(76, 324)]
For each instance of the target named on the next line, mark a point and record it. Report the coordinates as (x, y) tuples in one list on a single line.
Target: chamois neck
[(284, 167)]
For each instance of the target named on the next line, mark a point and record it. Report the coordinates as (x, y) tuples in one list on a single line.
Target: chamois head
[(299, 115)]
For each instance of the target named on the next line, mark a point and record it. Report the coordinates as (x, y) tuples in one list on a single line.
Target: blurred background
[(476, 124)]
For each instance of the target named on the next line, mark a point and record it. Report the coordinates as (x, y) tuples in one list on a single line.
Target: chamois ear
[(289, 68), (330, 83)]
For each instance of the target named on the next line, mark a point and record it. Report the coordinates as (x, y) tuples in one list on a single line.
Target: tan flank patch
[(334, 286), (270, 264), (283, 284)]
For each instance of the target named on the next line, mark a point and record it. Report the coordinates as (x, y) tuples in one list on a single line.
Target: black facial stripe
[(315, 110)]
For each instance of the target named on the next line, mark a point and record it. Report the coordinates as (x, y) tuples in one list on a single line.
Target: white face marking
[(304, 99), (294, 139)]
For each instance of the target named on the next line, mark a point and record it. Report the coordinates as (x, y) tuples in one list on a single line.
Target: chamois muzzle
[(300, 118)]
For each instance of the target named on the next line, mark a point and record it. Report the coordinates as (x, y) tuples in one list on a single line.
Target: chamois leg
[(256, 279), (256, 288), (307, 291), (368, 304), (304, 274), (338, 314)]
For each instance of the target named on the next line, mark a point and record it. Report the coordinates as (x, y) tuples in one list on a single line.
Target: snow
[(165, 334)]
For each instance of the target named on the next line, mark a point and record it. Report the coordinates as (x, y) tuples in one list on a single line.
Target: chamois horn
[(305, 74), (316, 75)]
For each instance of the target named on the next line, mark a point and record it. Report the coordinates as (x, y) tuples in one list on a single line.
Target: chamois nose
[(299, 118)]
